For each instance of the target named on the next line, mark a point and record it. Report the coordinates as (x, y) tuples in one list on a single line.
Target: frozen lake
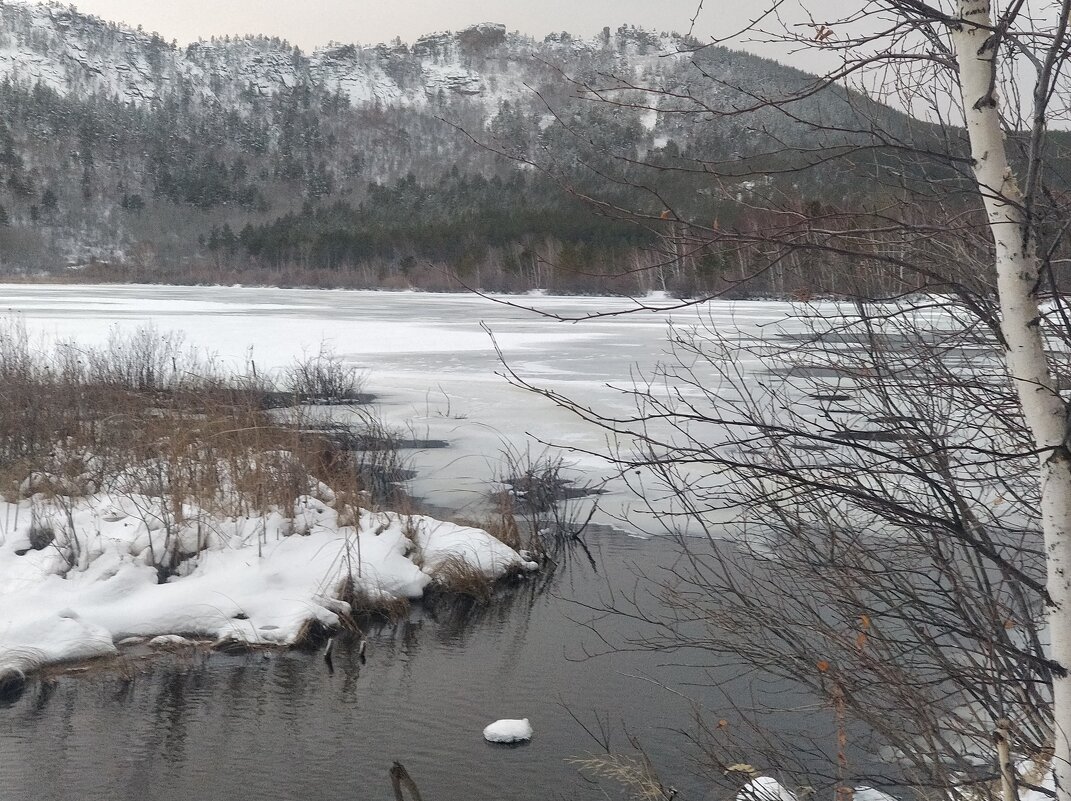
[(428, 360), (281, 726)]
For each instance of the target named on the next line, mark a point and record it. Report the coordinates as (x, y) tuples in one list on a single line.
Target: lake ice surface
[(431, 365)]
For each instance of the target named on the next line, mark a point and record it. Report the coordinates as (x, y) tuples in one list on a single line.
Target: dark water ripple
[(221, 728)]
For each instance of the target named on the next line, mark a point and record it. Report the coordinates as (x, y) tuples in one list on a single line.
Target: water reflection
[(282, 726)]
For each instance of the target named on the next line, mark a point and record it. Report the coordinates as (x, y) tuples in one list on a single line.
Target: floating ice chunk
[(865, 793), (763, 788), (508, 731)]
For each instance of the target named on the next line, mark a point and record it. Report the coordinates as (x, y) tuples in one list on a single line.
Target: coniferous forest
[(480, 158)]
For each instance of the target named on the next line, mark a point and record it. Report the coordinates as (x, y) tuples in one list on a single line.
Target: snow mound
[(442, 542), (117, 567), (508, 731)]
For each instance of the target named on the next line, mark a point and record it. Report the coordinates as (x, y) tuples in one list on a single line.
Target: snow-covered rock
[(508, 731), (764, 788), (169, 642), (865, 793)]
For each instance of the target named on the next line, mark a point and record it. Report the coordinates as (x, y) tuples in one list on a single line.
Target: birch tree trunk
[(1017, 269)]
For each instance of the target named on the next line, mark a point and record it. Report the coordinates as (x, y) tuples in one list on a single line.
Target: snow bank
[(121, 566), (508, 731), (442, 542)]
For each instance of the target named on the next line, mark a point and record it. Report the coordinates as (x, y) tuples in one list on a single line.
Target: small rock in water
[(170, 642), (12, 684), (508, 731)]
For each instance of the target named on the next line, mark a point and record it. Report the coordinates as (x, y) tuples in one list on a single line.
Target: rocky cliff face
[(73, 53)]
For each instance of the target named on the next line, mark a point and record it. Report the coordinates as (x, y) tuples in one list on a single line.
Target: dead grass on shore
[(455, 575), (147, 417), (146, 414)]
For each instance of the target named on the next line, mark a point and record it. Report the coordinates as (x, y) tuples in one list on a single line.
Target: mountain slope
[(116, 145)]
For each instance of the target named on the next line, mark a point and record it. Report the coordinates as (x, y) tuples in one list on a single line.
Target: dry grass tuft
[(537, 490), (502, 525), (637, 776), (453, 574), (388, 606), (313, 634)]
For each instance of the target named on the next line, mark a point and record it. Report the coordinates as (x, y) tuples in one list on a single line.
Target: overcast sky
[(309, 23)]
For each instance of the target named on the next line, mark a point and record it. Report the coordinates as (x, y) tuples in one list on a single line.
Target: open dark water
[(280, 726)]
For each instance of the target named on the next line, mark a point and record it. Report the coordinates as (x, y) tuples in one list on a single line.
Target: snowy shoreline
[(80, 575)]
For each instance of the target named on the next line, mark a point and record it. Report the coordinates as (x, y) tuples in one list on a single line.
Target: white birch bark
[(1017, 274)]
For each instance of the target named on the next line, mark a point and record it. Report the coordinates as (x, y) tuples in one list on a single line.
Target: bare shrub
[(536, 505), (376, 458), (635, 774), (323, 378), (148, 360)]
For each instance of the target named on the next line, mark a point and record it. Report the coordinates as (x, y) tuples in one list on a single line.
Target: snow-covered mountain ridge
[(118, 146), (73, 53)]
